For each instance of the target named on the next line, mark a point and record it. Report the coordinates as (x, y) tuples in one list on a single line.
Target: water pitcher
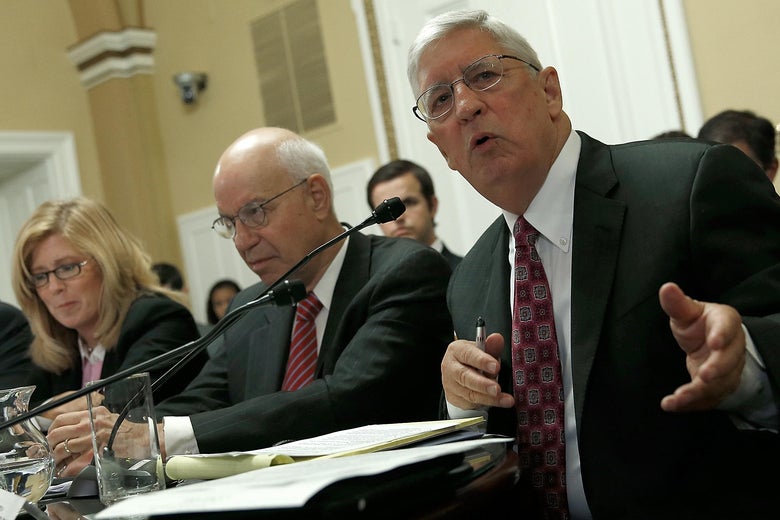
[(26, 461)]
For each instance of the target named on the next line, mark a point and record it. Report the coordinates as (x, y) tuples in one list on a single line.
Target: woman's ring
[(67, 450)]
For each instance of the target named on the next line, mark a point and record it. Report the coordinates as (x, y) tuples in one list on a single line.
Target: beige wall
[(734, 45), (213, 36), (39, 87)]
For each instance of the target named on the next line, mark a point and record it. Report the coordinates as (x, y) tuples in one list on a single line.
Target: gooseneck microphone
[(281, 292), (287, 293), (387, 210)]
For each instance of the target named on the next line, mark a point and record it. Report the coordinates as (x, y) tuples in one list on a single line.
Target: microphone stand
[(294, 292), (389, 209)]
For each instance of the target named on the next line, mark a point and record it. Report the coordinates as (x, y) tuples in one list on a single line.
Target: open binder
[(381, 484)]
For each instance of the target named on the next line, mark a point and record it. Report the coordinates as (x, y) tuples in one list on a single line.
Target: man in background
[(412, 183), (751, 133)]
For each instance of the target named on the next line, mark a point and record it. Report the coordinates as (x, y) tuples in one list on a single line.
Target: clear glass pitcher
[(26, 461)]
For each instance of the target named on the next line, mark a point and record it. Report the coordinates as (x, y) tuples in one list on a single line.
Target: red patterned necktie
[(303, 348), (538, 384)]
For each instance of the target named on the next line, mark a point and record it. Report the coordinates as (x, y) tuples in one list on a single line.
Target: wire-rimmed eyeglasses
[(481, 75), (63, 272), (252, 215)]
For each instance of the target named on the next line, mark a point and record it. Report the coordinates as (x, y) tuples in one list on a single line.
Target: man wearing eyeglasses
[(376, 361), (628, 397)]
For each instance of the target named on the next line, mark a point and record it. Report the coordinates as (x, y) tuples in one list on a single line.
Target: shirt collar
[(327, 284), (438, 245), (551, 212), (97, 355)]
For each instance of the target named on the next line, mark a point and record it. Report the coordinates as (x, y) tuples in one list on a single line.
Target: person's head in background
[(412, 183), (75, 274), (220, 296), (274, 196), (169, 276), (753, 134), (672, 134)]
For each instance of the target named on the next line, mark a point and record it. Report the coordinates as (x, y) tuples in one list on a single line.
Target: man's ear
[(552, 91), (319, 194), (434, 206), (772, 170)]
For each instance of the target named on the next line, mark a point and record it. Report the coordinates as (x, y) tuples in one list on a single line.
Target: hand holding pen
[(469, 374)]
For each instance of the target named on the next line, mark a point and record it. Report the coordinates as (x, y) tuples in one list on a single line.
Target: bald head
[(250, 153), (279, 184)]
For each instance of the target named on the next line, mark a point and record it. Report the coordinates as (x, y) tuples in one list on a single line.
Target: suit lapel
[(497, 291), (598, 222), (353, 276)]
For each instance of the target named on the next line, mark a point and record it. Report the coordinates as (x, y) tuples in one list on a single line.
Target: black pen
[(480, 337)]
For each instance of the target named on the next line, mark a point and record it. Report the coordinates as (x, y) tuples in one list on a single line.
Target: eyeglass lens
[(63, 272), (480, 75), (252, 215)]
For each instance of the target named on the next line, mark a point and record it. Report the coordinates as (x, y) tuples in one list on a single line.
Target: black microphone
[(387, 210), (281, 292), (287, 293)]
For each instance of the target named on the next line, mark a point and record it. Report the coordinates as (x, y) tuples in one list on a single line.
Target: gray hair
[(511, 41), (302, 158)]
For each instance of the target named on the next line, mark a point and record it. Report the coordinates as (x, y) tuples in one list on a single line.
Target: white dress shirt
[(179, 435)]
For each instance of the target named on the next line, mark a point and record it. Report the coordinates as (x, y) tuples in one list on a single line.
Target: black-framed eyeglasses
[(63, 272), (481, 75), (252, 215)]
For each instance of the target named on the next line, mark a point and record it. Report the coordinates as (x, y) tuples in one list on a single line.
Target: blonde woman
[(94, 305)]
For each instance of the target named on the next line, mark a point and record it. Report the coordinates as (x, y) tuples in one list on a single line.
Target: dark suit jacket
[(451, 257), (646, 213), (379, 359), (15, 338), (154, 325)]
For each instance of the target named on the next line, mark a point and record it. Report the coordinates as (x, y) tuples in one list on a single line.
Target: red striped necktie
[(302, 361)]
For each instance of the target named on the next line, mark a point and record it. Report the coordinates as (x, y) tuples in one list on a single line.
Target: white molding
[(56, 149), (117, 68), (112, 42), (114, 66)]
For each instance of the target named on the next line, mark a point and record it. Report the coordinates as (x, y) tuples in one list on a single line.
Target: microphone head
[(288, 292), (388, 209)]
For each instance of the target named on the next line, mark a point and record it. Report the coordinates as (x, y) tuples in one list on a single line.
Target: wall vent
[(291, 68)]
